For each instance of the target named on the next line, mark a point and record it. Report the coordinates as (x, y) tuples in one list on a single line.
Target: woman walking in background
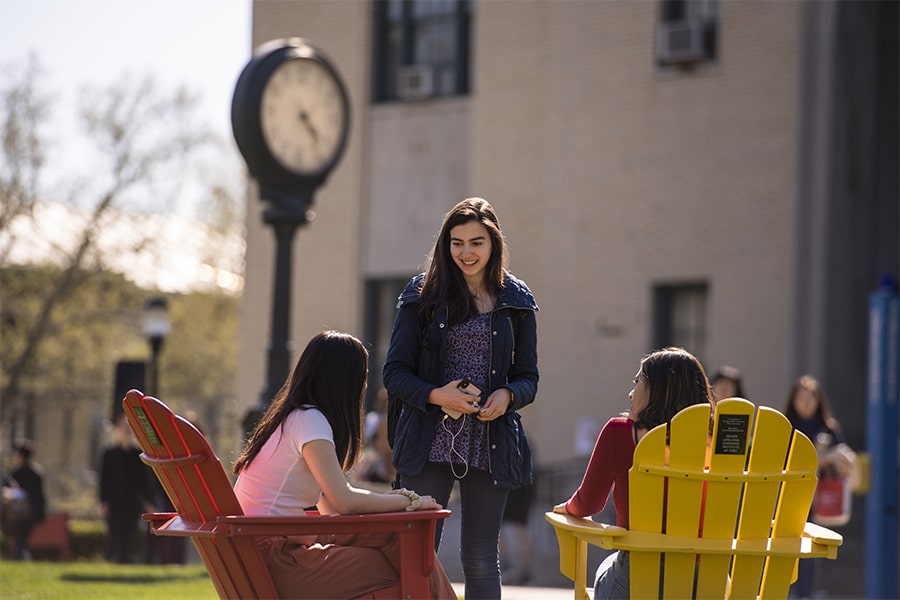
[(462, 361), (808, 410), (727, 382)]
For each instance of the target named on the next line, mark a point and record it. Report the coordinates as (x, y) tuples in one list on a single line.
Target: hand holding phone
[(468, 388)]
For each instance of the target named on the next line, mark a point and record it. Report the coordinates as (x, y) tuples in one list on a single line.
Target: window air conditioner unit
[(415, 82), (680, 42)]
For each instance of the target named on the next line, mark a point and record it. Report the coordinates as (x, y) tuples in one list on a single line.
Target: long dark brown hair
[(676, 380), (330, 375), (823, 409), (444, 284)]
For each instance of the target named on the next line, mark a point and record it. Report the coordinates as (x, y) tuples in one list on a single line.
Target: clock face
[(303, 115)]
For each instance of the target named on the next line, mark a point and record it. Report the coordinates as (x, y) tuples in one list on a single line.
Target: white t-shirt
[(278, 482)]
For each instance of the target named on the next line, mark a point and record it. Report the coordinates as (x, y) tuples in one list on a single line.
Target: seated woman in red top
[(668, 380)]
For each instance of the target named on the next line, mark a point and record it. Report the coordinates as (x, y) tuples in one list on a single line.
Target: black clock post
[(291, 116)]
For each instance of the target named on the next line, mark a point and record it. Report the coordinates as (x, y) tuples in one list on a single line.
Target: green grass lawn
[(103, 581)]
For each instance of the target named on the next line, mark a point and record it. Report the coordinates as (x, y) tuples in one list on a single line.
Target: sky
[(202, 44)]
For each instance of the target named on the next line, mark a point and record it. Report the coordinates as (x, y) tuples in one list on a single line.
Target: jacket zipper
[(512, 333)]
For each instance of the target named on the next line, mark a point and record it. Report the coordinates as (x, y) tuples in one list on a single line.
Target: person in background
[(379, 467), (667, 381), (808, 410), (24, 500), (298, 456), (124, 492), (466, 319), (727, 382)]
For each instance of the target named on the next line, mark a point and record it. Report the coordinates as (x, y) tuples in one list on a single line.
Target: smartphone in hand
[(466, 387)]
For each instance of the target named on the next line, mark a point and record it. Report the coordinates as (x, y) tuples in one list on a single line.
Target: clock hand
[(309, 126)]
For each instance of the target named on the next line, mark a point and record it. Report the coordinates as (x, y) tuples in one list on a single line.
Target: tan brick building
[(739, 203)]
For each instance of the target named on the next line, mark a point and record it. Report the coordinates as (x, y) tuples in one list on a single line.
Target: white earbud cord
[(453, 451)]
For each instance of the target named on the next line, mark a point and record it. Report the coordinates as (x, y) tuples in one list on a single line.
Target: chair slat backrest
[(723, 497), (767, 455), (193, 478), (751, 481)]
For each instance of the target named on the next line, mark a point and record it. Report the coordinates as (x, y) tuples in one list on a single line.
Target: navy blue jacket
[(415, 365)]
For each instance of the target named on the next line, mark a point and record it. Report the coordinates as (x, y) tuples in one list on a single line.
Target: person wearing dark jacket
[(462, 361), (124, 493), (27, 505)]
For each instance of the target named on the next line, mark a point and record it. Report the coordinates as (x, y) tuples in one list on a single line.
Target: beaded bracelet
[(415, 500)]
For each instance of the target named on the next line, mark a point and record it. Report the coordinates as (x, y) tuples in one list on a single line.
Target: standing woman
[(465, 318), (808, 410)]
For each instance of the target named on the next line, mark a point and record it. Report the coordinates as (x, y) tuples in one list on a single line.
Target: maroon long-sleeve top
[(608, 468)]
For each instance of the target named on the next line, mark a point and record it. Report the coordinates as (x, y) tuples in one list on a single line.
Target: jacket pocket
[(518, 452)]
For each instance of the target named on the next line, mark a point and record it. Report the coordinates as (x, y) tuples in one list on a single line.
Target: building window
[(421, 49), (380, 309), (679, 316), (687, 32)]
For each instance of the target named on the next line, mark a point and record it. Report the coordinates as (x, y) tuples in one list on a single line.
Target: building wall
[(609, 174)]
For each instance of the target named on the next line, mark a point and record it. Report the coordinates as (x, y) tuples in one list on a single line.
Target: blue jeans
[(482, 505), (613, 579)]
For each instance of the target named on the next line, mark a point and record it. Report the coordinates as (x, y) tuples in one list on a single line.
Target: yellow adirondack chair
[(759, 486)]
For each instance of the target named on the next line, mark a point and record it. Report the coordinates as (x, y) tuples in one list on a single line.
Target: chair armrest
[(158, 517), (822, 535), (172, 525), (585, 528), (826, 539), (242, 525)]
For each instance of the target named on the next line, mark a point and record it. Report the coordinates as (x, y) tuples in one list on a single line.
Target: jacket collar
[(514, 293)]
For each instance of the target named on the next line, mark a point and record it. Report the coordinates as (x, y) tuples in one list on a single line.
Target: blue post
[(883, 431)]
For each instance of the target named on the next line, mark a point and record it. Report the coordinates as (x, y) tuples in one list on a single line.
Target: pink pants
[(341, 566)]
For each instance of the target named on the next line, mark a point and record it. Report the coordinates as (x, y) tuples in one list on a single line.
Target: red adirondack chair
[(208, 512)]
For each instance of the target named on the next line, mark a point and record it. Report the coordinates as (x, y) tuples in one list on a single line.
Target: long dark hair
[(676, 380), (732, 374), (823, 409), (330, 375), (444, 284)]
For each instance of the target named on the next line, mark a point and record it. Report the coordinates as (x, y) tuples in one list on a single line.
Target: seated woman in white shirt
[(309, 436)]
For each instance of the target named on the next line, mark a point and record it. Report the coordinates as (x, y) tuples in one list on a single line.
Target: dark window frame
[(666, 332), (399, 29), (379, 309), (704, 12)]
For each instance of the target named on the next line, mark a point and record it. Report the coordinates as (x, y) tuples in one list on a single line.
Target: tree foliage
[(67, 391), (66, 321), (24, 108), (94, 324), (144, 139)]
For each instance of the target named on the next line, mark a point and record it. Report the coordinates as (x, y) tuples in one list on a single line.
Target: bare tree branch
[(24, 110), (145, 138)]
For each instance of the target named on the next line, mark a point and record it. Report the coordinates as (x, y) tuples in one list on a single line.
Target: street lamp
[(156, 326)]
